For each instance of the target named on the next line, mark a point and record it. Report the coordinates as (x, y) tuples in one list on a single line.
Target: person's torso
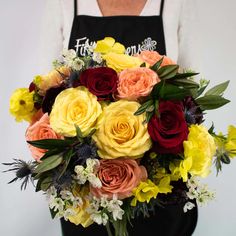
[(136, 33)]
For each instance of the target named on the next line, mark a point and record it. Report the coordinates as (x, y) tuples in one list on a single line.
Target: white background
[(26, 213)]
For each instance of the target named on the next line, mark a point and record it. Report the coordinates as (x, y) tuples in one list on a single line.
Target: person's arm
[(189, 47), (51, 35)]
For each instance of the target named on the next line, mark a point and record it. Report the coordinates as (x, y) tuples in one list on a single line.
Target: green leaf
[(143, 65), (44, 184), (156, 89), (211, 130), (49, 163), (186, 83), (211, 102), (67, 157), (225, 158), (143, 107), (168, 72), (53, 213), (185, 75), (52, 152), (156, 66), (218, 89), (51, 143), (79, 134), (202, 89), (172, 92)]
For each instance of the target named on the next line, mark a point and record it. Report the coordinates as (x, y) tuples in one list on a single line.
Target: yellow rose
[(230, 145), (120, 133), (107, 45), (75, 106), (22, 104), (199, 150), (119, 62), (52, 79)]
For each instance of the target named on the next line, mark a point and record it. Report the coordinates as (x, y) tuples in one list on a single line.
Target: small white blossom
[(57, 204), (100, 218), (199, 191), (188, 206), (97, 57), (69, 212), (67, 195), (71, 59)]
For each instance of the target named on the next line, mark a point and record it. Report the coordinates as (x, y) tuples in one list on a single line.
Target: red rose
[(101, 81), (168, 129)]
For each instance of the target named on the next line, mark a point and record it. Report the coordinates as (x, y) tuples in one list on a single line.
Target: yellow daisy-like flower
[(107, 45), (230, 145), (75, 106), (22, 104), (120, 133)]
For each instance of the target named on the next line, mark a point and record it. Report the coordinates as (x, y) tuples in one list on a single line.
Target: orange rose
[(151, 57), (40, 130), (52, 79), (119, 177), (136, 82)]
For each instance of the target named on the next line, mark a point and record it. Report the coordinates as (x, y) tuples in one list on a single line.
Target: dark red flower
[(168, 129), (101, 81)]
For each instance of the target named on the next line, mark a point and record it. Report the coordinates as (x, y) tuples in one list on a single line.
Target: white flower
[(100, 218), (188, 206), (51, 191), (71, 59), (67, 195), (94, 180), (118, 214), (77, 202), (97, 57), (57, 204)]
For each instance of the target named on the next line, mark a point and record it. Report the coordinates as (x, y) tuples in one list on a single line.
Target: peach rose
[(151, 57), (136, 82), (52, 79), (40, 130), (119, 177)]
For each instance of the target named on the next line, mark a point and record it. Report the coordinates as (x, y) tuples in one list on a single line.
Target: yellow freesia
[(120, 133), (75, 106), (22, 104), (144, 192), (107, 45), (230, 145), (148, 190)]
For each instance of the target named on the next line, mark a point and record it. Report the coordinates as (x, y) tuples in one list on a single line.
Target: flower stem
[(108, 229)]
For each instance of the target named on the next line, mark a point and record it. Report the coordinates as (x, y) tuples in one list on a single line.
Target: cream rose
[(75, 106), (120, 133)]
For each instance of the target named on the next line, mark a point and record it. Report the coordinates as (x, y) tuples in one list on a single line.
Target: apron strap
[(75, 8), (162, 7)]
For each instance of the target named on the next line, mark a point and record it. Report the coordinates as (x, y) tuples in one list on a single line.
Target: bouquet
[(113, 135)]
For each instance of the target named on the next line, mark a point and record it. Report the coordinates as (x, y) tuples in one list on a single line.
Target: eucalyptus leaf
[(52, 152), (202, 89), (211, 102), (51, 143), (218, 89), (168, 72), (49, 163)]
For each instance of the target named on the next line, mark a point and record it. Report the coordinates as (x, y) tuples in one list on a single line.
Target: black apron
[(136, 33)]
